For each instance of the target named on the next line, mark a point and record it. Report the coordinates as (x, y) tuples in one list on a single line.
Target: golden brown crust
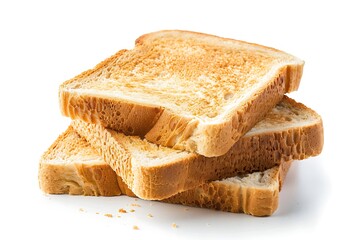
[(142, 39), (131, 118), (255, 152), (123, 187), (236, 198), (283, 170), (107, 144), (81, 177), (139, 119), (170, 126), (249, 154), (59, 176)]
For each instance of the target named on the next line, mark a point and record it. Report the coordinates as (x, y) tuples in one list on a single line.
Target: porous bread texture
[(255, 194), (184, 90), (156, 172), (72, 166), (64, 169), (287, 112)]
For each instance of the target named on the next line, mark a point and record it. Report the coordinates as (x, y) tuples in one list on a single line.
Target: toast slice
[(72, 166), (183, 90), (289, 131)]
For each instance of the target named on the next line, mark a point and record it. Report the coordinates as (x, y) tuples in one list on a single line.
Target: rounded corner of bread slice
[(158, 172), (161, 166), (164, 68), (71, 166)]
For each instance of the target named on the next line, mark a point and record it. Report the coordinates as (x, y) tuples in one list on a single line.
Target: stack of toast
[(185, 118)]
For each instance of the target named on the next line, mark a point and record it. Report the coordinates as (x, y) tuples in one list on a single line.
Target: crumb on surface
[(97, 213), (118, 216), (186, 209), (131, 210), (173, 225), (135, 227), (121, 210), (135, 205), (108, 215), (150, 215), (81, 210)]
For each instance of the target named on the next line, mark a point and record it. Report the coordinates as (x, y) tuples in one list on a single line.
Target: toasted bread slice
[(72, 166), (289, 131), (183, 90)]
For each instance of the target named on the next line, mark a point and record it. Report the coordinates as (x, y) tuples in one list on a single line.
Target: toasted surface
[(72, 166), (183, 90), (290, 131), (255, 194), (65, 166)]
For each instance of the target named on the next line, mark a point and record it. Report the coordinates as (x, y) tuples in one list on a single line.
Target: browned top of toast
[(192, 74)]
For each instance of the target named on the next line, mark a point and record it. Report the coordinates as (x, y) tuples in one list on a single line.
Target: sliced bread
[(183, 90), (72, 166), (289, 131)]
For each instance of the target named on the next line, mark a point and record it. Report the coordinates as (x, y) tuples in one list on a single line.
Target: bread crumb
[(108, 215), (97, 213), (135, 227), (118, 216), (131, 210), (135, 199), (121, 210), (150, 215), (174, 225), (135, 205), (81, 209), (186, 209)]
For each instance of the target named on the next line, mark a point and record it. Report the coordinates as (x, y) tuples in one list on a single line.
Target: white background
[(43, 43)]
